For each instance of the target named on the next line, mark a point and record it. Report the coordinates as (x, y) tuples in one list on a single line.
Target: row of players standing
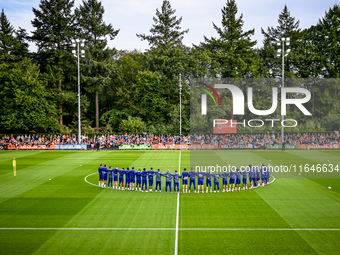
[(143, 180)]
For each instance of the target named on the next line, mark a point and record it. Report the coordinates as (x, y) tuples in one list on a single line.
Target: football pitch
[(54, 206)]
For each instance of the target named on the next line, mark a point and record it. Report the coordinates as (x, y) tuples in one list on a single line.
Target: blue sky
[(135, 16)]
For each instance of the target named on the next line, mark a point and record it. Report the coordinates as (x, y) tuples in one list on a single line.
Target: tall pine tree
[(271, 65), (54, 29), (13, 43), (92, 28), (167, 55), (233, 50)]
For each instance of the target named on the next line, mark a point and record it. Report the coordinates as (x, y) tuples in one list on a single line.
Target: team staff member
[(159, 180), (176, 181), (168, 176), (192, 175), (184, 176)]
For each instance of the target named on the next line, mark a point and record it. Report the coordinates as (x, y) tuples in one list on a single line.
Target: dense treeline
[(131, 91)]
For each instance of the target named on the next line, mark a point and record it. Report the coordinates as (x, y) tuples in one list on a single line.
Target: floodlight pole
[(76, 44), (180, 103), (284, 41)]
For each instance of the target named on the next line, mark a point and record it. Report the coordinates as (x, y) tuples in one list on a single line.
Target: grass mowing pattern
[(31, 200)]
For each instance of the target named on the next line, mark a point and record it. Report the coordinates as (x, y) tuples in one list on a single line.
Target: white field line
[(181, 229), (85, 179), (177, 214)]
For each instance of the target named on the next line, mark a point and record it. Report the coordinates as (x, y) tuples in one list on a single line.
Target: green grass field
[(66, 215)]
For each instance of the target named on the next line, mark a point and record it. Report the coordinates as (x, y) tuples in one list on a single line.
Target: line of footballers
[(144, 180)]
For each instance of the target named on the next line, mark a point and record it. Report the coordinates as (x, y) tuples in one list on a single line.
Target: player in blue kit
[(250, 175), (144, 180), (121, 178), (110, 174), (225, 176), (100, 170), (115, 177), (132, 174), (232, 175), (216, 181), (238, 180), (104, 175), (258, 176), (127, 178), (208, 176), (138, 180), (200, 181), (192, 176), (151, 174), (254, 177), (184, 176), (176, 181), (168, 176), (244, 174)]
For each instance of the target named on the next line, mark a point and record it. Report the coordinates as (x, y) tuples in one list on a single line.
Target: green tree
[(271, 65), (25, 102), (13, 44), (233, 50), (167, 55), (92, 28), (326, 39), (54, 29)]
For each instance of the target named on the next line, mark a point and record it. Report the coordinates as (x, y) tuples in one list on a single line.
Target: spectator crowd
[(111, 140)]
